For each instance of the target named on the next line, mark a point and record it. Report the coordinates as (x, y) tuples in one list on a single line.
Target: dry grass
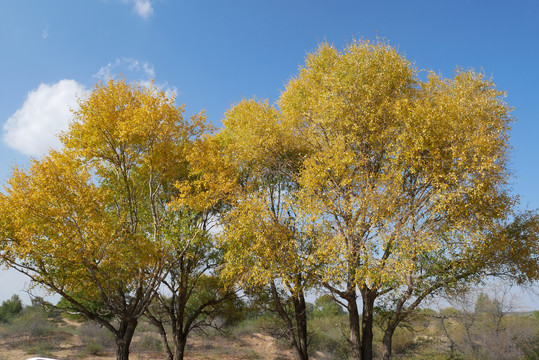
[(70, 340)]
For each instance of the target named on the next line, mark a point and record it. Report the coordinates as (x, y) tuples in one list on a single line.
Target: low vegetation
[(473, 327)]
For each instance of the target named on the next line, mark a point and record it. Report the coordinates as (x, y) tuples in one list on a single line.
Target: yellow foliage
[(94, 218), (401, 169)]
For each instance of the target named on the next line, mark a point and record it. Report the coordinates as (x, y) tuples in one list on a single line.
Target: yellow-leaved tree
[(254, 170), (92, 222), (408, 176)]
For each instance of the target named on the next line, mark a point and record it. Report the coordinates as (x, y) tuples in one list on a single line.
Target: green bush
[(42, 348), (93, 349), (328, 335), (402, 340), (10, 308), (325, 306), (32, 322), (267, 323)]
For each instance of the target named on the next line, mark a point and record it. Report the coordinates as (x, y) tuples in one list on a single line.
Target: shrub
[(91, 334), (148, 342), (402, 340), (93, 349), (328, 335), (10, 308), (325, 306), (32, 322), (43, 348)]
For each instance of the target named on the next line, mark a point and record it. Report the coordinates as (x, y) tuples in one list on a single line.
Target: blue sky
[(214, 53)]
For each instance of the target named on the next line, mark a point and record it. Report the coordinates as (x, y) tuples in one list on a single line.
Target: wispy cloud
[(133, 70), (44, 34), (128, 67), (143, 8), (46, 111)]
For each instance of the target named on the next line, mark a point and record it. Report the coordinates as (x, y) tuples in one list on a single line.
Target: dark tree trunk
[(367, 323), (124, 335), (386, 342), (300, 310), (355, 336), (179, 346)]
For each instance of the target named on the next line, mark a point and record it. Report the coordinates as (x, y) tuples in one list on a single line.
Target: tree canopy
[(92, 222), (409, 176)]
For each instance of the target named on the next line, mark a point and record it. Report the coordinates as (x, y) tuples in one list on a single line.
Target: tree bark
[(367, 323), (355, 335), (179, 346), (300, 310), (124, 335), (386, 343), (290, 329)]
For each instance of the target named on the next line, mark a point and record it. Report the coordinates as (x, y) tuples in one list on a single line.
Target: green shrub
[(32, 322), (268, 323), (10, 308), (328, 335), (402, 340), (91, 333), (93, 349), (325, 306), (41, 348)]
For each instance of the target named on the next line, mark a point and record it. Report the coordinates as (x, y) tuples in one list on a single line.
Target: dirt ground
[(68, 346)]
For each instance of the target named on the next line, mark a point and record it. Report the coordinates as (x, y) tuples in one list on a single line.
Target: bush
[(402, 340), (148, 342), (92, 334), (328, 335), (10, 308), (268, 323), (43, 348), (32, 322), (325, 306), (93, 349)]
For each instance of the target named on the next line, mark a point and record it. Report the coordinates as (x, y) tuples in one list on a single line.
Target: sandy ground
[(247, 347)]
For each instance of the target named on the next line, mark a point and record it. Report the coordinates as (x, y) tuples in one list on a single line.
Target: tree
[(264, 242), (263, 239), (10, 308), (194, 296), (326, 306), (408, 176), (90, 222), (509, 252)]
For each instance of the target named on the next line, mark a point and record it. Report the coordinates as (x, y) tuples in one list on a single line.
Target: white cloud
[(46, 111), (44, 34), (143, 8)]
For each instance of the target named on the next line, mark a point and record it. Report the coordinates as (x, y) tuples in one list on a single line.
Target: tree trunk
[(179, 346), (386, 342), (124, 335), (300, 310), (290, 329), (355, 336), (163, 334), (367, 323)]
